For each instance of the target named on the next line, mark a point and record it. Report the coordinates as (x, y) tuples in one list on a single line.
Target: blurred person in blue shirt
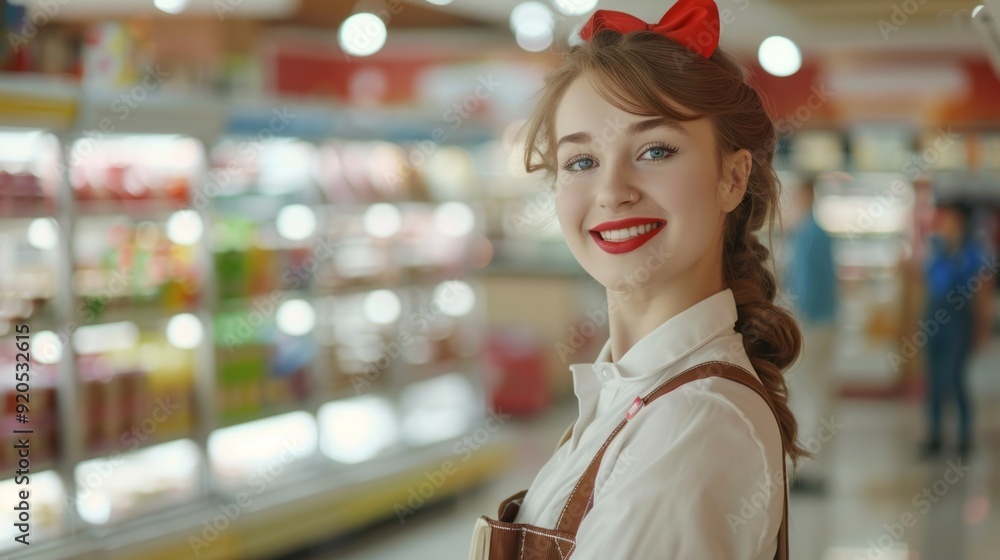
[(811, 282), (959, 283)]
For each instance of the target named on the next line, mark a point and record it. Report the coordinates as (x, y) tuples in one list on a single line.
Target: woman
[(661, 157)]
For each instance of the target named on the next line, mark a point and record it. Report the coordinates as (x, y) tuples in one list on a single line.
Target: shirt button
[(604, 372)]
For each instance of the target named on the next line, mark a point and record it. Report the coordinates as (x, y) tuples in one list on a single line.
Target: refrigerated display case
[(138, 285), (395, 305), (263, 225), (31, 304), (213, 308)]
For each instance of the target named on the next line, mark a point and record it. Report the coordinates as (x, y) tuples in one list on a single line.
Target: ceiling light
[(362, 34), (779, 56)]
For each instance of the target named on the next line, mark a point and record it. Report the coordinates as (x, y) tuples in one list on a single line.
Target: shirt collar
[(677, 337)]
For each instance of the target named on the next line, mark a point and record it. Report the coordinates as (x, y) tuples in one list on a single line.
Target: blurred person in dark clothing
[(812, 283), (959, 277)]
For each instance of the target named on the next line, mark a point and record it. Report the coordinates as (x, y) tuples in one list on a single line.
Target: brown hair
[(637, 72)]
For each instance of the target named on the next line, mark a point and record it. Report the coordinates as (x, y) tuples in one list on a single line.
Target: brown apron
[(502, 539)]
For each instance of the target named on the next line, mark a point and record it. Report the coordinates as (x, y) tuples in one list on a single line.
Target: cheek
[(686, 187), (570, 209), (688, 203)]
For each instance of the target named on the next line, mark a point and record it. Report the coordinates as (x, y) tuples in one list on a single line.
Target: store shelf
[(105, 375), (283, 518), (263, 413), (22, 213), (32, 100), (145, 442), (470, 367), (146, 209), (147, 313)]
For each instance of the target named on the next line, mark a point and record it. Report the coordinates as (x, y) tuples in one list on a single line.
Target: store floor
[(882, 503)]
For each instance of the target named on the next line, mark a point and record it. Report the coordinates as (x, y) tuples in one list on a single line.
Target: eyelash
[(670, 149)]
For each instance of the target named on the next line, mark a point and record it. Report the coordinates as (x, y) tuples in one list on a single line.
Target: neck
[(635, 311)]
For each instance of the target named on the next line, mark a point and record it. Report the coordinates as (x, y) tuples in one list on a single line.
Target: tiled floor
[(881, 504)]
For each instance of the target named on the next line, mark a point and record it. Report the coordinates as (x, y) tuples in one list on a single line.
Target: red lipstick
[(630, 244)]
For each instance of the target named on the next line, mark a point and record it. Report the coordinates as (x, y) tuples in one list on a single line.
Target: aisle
[(877, 489)]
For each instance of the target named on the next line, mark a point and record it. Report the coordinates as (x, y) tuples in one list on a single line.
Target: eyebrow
[(632, 129)]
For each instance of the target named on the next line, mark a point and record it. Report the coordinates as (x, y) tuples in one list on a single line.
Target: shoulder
[(719, 408), (714, 420), (714, 446)]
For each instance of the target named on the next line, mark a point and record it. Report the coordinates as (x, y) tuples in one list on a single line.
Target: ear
[(733, 182)]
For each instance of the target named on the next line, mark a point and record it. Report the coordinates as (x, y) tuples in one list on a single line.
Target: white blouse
[(697, 474)]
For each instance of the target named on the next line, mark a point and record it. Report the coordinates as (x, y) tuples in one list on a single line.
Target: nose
[(615, 189), (617, 195)]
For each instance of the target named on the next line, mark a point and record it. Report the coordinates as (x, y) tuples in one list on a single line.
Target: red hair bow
[(692, 23)]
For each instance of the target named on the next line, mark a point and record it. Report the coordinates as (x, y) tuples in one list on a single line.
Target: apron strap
[(581, 499)]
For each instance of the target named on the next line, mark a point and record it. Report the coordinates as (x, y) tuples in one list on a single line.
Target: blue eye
[(585, 163), (658, 152)]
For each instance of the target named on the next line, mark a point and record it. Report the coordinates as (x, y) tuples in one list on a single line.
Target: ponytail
[(771, 336)]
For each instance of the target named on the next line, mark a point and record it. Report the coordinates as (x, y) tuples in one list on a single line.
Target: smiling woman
[(656, 144)]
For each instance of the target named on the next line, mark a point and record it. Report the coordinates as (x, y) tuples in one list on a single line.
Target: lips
[(626, 235)]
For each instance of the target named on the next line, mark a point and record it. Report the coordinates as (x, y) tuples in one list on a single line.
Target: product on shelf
[(360, 335), (355, 158), (29, 172), (277, 166), (40, 405), (818, 150), (137, 387), (435, 239), (21, 193), (25, 290), (246, 268), (132, 169), (256, 366), (330, 175), (443, 320), (449, 174), (133, 269)]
